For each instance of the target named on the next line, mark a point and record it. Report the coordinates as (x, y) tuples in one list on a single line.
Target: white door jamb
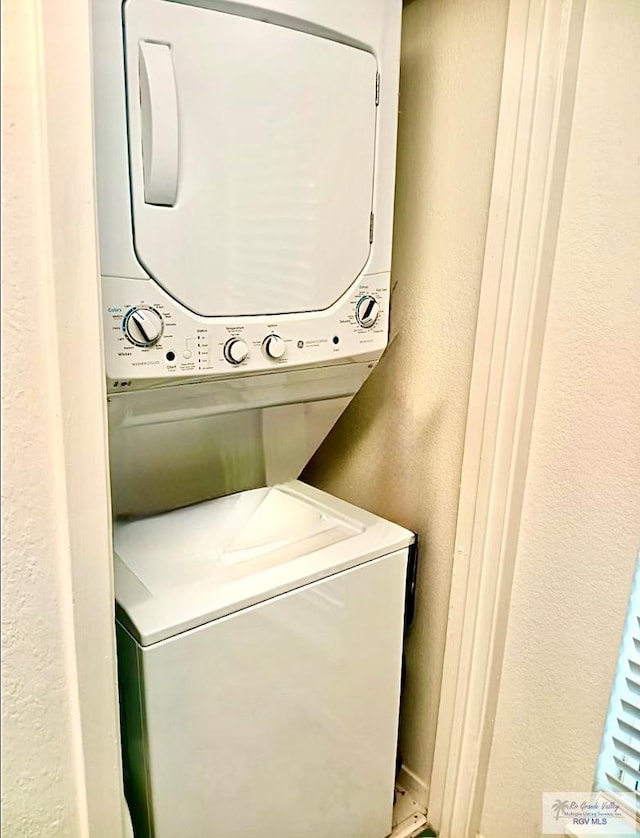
[(538, 91)]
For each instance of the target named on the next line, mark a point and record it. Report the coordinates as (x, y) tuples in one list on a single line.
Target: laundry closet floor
[(409, 817)]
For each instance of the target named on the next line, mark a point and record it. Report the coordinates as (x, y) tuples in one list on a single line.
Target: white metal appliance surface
[(261, 201), (259, 646), (245, 169), (211, 438), (245, 160), (245, 165)]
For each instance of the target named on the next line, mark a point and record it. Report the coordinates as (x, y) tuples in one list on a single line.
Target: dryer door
[(251, 152)]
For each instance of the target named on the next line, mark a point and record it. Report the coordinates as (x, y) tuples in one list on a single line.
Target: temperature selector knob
[(235, 350), (274, 347), (367, 311), (143, 326)]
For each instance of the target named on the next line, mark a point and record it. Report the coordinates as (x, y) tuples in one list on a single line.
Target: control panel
[(151, 339)]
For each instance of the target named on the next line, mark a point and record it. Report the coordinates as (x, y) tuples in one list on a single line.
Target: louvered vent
[(619, 763)]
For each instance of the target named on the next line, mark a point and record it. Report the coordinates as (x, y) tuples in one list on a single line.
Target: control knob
[(235, 350), (274, 347), (367, 311), (143, 326)]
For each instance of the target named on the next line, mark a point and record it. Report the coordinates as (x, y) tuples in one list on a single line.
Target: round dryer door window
[(251, 157)]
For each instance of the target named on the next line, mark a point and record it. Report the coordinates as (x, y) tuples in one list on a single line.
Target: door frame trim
[(65, 105), (540, 73)]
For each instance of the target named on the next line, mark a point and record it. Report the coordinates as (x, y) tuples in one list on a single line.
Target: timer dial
[(143, 326), (235, 350), (367, 311), (274, 347)]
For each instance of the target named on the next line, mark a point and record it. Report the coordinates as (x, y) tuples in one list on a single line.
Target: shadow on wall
[(407, 431)]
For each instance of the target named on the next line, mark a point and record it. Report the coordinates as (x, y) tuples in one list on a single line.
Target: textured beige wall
[(60, 756), (581, 518), (41, 760), (398, 449)]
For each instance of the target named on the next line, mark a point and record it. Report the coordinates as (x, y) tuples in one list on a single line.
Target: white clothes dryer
[(245, 165), (259, 647)]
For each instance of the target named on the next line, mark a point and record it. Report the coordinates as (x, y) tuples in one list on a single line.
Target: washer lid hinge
[(371, 223), (377, 89)]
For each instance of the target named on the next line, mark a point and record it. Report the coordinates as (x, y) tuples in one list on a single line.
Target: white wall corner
[(538, 91), (410, 782)]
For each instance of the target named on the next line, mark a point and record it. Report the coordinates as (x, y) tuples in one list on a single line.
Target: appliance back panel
[(175, 446)]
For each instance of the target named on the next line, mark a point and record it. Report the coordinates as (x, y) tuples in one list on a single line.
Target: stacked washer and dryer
[(245, 168)]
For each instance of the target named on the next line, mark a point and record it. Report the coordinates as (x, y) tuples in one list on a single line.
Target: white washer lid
[(181, 569)]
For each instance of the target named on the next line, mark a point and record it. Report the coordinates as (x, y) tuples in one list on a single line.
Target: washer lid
[(251, 151), (184, 568)]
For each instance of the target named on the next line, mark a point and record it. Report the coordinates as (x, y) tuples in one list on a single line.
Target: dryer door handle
[(159, 123)]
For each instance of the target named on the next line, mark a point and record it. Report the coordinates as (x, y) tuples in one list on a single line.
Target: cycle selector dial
[(236, 350), (367, 311), (143, 326), (274, 347)]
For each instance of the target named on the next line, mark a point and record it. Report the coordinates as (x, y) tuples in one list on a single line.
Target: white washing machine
[(245, 159), (259, 647)]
